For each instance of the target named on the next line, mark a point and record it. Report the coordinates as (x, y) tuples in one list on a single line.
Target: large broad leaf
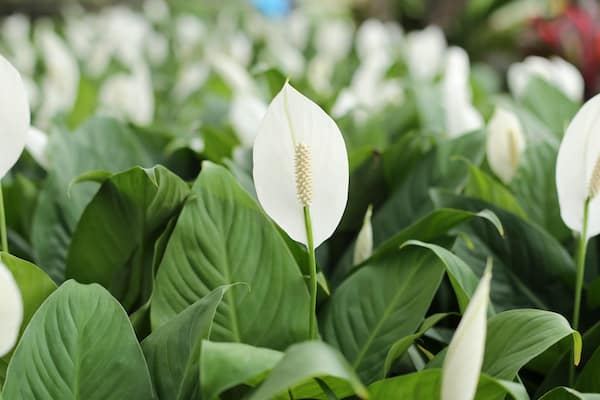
[(79, 345), (565, 393), (516, 337), (298, 370), (222, 237), (426, 384), (588, 381), (531, 269), (381, 302), (100, 143), (114, 239), (534, 185), (173, 350), (410, 199), (226, 365), (35, 287)]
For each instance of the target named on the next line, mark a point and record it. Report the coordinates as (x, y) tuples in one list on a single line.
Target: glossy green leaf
[(426, 385), (100, 143), (226, 365), (79, 345), (382, 301), (118, 229), (222, 237), (304, 362), (565, 393), (173, 350)]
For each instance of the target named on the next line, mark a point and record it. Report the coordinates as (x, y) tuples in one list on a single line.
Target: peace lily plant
[(505, 144), (301, 174)]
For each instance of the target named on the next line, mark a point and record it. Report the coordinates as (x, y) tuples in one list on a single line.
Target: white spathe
[(462, 365), (11, 311), (505, 144), (364, 241), (460, 114), (292, 119), (246, 114), (37, 146), (425, 52), (14, 116), (555, 71), (577, 158)]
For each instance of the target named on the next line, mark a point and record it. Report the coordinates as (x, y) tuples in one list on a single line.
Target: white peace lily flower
[(297, 28), (129, 96), (286, 56), (15, 34), (190, 31), (14, 116), (461, 116), (333, 39), (246, 114), (425, 52), (462, 365), (37, 146), (11, 310), (61, 82), (238, 79), (372, 38), (300, 160), (505, 144), (555, 71), (122, 22), (190, 78), (320, 71), (156, 10), (578, 169), (364, 242), (156, 48)]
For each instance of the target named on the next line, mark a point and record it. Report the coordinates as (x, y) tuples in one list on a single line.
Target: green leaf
[(402, 345), (549, 104), (307, 361), (516, 337), (173, 350), (226, 365), (484, 187), (381, 302), (79, 345), (100, 143), (114, 240), (587, 380), (565, 393), (531, 269), (223, 237), (426, 384)]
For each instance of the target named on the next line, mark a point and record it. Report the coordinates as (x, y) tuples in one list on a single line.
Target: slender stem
[(312, 266), (580, 272), (3, 235)]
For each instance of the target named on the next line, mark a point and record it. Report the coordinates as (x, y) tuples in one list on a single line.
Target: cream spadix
[(505, 144), (578, 169), (462, 365), (11, 310), (300, 160), (14, 116)]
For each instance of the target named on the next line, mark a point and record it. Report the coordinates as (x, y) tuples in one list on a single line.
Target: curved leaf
[(565, 393), (222, 237), (307, 361), (79, 344)]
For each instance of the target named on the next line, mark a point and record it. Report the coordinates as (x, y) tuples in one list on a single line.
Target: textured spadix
[(295, 130), (464, 358), (11, 310), (14, 116), (577, 169)]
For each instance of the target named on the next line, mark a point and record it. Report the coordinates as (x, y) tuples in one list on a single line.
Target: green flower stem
[(312, 266), (3, 235), (580, 272)]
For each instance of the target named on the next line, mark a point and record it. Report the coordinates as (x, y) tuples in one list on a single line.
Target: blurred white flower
[(319, 74), (156, 10), (157, 48), (11, 310), (555, 71), (372, 40), (461, 116), (190, 31), (505, 144), (37, 146), (462, 365), (333, 39), (14, 116), (61, 81), (578, 169), (125, 31), (364, 241), (246, 114), (190, 78), (129, 96), (425, 52), (300, 160), (236, 76), (285, 56), (15, 34)]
